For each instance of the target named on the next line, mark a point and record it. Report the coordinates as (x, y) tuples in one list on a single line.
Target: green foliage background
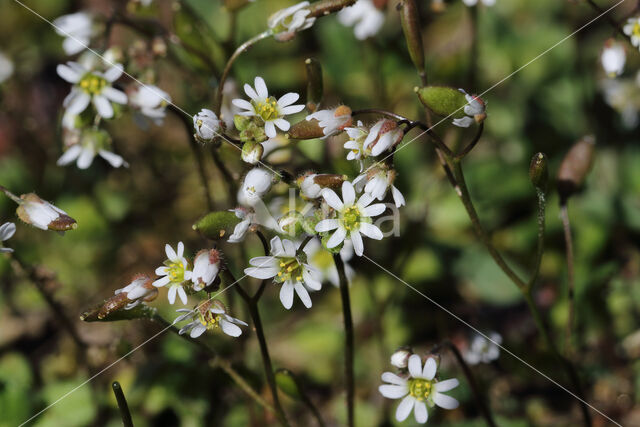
[(125, 217)]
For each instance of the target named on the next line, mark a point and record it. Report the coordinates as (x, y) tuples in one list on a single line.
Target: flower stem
[(540, 247), (227, 68), (122, 404), (10, 195), (348, 328), (609, 18), (566, 226), (480, 401)]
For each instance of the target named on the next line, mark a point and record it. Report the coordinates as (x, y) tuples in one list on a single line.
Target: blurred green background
[(125, 217)]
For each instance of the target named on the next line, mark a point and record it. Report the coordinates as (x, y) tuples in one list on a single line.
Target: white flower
[(140, 289), (206, 124), (474, 110), (151, 101), (285, 267), (256, 184), (355, 144), (43, 215), (400, 358), (206, 266), (252, 152), (382, 136), (6, 67), (209, 315), (419, 390), (248, 217), (632, 29), (266, 107), (322, 260), (90, 142), (91, 86), (332, 121), (475, 2), (377, 181), (353, 218), (175, 273), (286, 22), (77, 29), (367, 19), (309, 188), (483, 350), (613, 57), (7, 231)]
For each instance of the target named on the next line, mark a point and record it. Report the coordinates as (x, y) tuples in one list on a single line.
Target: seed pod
[(410, 19), (306, 129), (575, 166), (442, 100), (216, 225), (539, 172), (315, 88), (325, 7)]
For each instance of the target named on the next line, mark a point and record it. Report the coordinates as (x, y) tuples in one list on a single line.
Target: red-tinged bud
[(575, 166), (43, 215)]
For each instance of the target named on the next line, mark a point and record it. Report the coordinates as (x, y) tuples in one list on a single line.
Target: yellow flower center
[(351, 218), (420, 388), (636, 29), (267, 109), (210, 320), (323, 259), (175, 271), (290, 269), (92, 84)]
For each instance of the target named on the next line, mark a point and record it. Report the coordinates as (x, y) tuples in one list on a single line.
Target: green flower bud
[(252, 152), (291, 223), (216, 225), (539, 172), (253, 132), (444, 101), (575, 166), (241, 122), (410, 19), (314, 83)]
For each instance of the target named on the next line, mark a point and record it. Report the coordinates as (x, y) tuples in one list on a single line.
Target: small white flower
[(400, 358), (286, 268), (266, 107), (140, 289), (377, 182), (206, 124), (309, 188), (209, 315), (175, 273), (333, 121), (382, 136), (483, 350), (248, 217), (90, 142), (151, 101), (91, 86), (419, 390), (7, 231), (286, 22), (365, 16), (353, 218), (613, 57), (77, 29), (43, 215), (252, 152), (6, 67), (256, 184), (206, 266), (355, 144), (632, 29), (474, 110), (475, 2), (322, 260)]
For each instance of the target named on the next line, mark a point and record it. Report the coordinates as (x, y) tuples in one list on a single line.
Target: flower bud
[(233, 5), (410, 19), (252, 152), (444, 101), (216, 225), (291, 223), (539, 172), (206, 266), (311, 184), (306, 129), (315, 89), (207, 125), (43, 215), (575, 166), (400, 358), (288, 383), (257, 182)]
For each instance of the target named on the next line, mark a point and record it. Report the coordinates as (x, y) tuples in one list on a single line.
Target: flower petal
[(348, 193), (370, 230), (444, 401), (282, 124), (446, 385), (197, 330), (393, 391), (172, 294), (326, 225), (180, 249), (68, 73), (286, 295), (356, 239), (404, 408), (288, 99), (390, 377), (163, 281), (182, 294), (261, 87), (291, 109), (303, 294), (70, 155), (171, 254), (415, 366), (113, 159), (115, 95), (230, 329), (374, 210), (337, 238), (430, 367), (332, 199), (241, 103), (103, 106), (261, 272), (270, 129), (76, 102), (420, 412), (86, 158), (113, 73)]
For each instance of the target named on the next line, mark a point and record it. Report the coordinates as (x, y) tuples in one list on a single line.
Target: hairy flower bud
[(306, 129), (252, 152), (43, 215), (311, 184), (400, 358), (315, 89), (206, 125), (216, 225), (539, 171), (575, 166), (410, 19)]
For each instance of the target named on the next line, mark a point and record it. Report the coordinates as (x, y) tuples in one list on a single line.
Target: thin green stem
[(472, 72), (566, 226), (122, 404), (467, 149), (225, 73), (348, 329), (484, 408), (609, 19), (540, 247), (10, 195)]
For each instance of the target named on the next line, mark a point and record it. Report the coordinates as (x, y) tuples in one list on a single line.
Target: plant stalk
[(122, 404), (348, 328)]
